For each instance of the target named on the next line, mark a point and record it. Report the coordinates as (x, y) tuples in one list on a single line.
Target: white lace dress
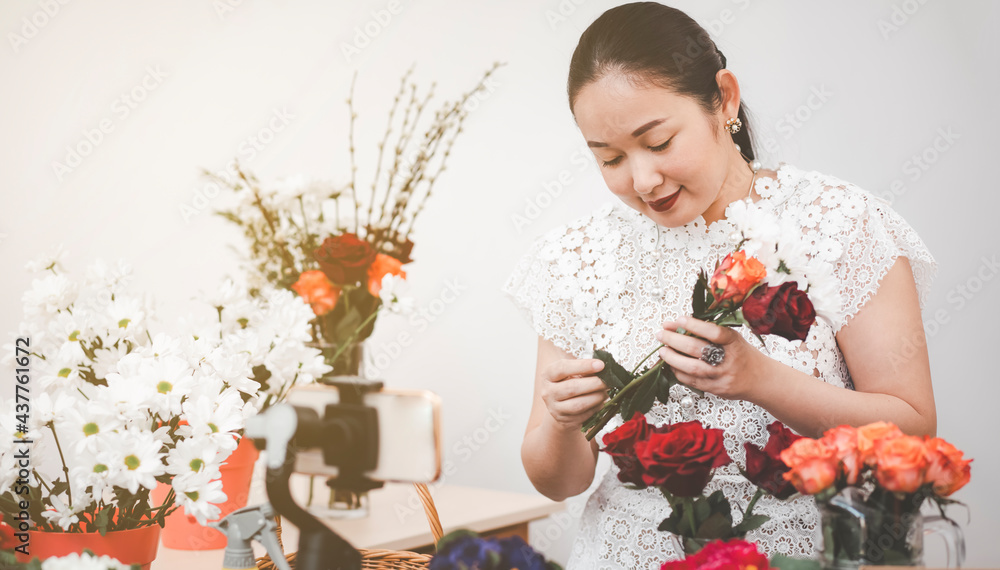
[(610, 279)]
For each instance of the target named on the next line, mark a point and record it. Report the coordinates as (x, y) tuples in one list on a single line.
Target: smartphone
[(409, 427)]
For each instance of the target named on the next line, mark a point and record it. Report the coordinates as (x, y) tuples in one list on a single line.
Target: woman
[(652, 97)]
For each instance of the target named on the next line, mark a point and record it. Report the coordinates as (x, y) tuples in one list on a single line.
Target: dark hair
[(647, 41)]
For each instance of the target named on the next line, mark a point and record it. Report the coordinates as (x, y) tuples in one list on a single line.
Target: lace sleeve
[(870, 237), (543, 286)]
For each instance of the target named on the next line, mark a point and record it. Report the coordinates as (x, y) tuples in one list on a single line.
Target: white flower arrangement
[(778, 245), (116, 409), (85, 561)]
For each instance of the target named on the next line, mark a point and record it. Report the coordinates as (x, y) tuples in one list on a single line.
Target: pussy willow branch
[(385, 140), (461, 115), (405, 136), (354, 167)]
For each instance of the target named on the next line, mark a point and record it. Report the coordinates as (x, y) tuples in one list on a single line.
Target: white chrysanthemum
[(232, 368), (389, 294), (194, 456), (79, 425), (139, 459), (287, 314), (49, 261), (219, 418), (66, 515), (92, 465), (106, 360), (200, 494), (824, 292), (124, 319), (228, 294), (759, 228), (84, 561), (46, 407), (104, 276), (49, 294)]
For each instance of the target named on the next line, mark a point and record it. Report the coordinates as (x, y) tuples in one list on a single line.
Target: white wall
[(889, 95)]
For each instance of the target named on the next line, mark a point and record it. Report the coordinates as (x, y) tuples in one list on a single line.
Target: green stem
[(69, 488), (689, 515), (655, 350), (753, 502), (343, 346)]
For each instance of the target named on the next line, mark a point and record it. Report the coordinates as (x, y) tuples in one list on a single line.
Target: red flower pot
[(182, 532), (134, 546)]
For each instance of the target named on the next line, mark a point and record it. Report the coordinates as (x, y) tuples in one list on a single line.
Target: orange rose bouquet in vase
[(870, 484), (766, 283), (343, 248)]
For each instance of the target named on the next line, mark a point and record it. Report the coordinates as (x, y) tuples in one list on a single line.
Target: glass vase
[(882, 529), (346, 362)]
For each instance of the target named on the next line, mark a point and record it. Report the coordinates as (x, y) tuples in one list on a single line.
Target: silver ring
[(713, 354)]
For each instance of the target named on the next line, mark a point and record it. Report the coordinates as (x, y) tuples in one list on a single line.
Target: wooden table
[(397, 521)]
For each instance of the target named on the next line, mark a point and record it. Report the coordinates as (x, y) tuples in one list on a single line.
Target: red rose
[(620, 445), (765, 467), (735, 554), (783, 310), (680, 457), (345, 258)]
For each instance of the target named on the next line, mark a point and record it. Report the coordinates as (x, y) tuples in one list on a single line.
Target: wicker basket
[(383, 559)]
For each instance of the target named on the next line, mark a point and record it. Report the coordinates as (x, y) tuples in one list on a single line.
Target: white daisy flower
[(49, 294), (51, 261), (389, 294), (200, 495)]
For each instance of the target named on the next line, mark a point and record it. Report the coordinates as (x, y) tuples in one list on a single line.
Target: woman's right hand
[(570, 391)]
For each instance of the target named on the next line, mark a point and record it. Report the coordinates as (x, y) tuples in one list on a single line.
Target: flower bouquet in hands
[(680, 460), (343, 248), (767, 283)]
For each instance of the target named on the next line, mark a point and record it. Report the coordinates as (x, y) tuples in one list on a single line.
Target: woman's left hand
[(735, 378)]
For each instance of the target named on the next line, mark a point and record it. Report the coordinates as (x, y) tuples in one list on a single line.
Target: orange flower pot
[(134, 546), (182, 532)]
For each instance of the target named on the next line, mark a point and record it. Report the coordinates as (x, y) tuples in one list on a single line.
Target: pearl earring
[(733, 125)]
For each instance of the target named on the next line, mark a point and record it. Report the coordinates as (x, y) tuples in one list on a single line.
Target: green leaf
[(644, 395), (664, 380), (752, 522), (613, 375), (715, 526)]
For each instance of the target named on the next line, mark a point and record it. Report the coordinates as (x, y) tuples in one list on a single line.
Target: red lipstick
[(664, 204)]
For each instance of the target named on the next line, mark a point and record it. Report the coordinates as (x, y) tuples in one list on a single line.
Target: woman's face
[(659, 152)]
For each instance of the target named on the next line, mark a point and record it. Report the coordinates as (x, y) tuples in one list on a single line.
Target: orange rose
[(900, 463), (844, 439), (812, 463), (382, 266), (317, 290), (946, 468), (868, 435), (735, 277)]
